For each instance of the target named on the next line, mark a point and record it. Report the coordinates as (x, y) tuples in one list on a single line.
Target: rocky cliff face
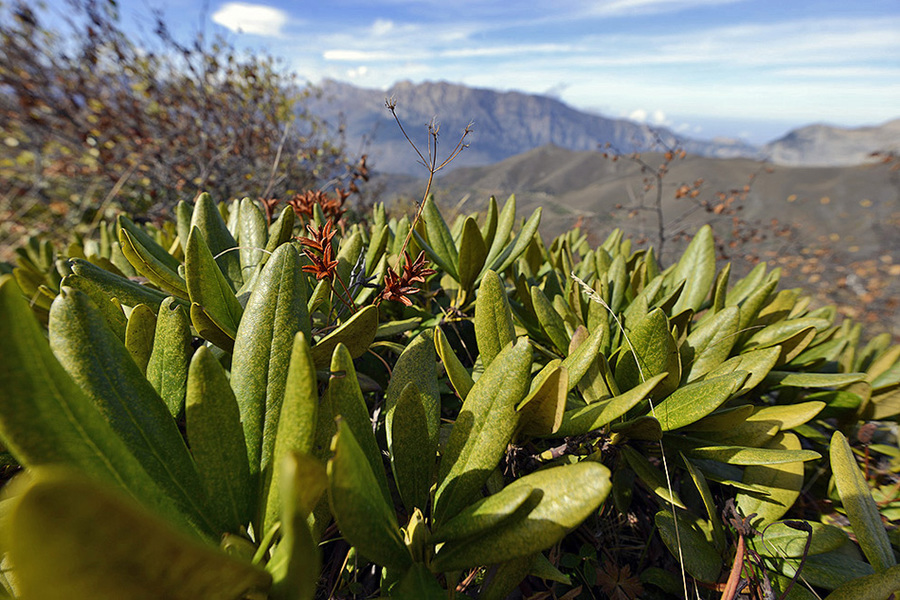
[(505, 124), (825, 146)]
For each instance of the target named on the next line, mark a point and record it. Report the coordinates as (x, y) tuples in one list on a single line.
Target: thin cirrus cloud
[(255, 19)]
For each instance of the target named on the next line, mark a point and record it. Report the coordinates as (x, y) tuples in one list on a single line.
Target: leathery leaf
[(150, 260), (356, 334), (594, 416), (412, 453), (208, 287), (213, 424), (167, 369), (698, 267), (690, 545), (782, 481), (565, 497), (652, 342), (482, 430), (694, 401), (472, 253), (72, 538), (652, 477), (541, 412), (493, 318), (366, 519), (101, 365), (139, 334), (862, 511), (51, 420), (221, 243), (459, 377), (275, 311)]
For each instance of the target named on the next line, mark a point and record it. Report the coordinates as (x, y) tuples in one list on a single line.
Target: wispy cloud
[(255, 19)]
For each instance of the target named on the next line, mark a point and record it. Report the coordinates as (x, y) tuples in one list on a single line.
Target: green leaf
[(417, 364), (871, 587), (208, 287), (595, 416), (859, 504), (219, 240), (511, 252), (503, 579), (139, 335), (783, 483), (72, 539), (356, 334), (505, 223), (552, 324), (109, 306), (813, 380), (51, 421), (718, 531), (275, 312), (697, 267), (651, 476), (581, 358), (150, 260), (167, 369), (472, 254), (128, 292), (345, 400), (690, 403), (295, 428), (456, 372), (412, 453), (689, 545), (440, 241), (738, 455), (541, 412), (652, 342), (365, 518), (101, 366), (506, 506), (209, 329), (568, 495), (419, 584), (781, 540), (757, 363), (709, 345), (494, 328), (213, 424), (253, 234), (280, 232), (482, 430)]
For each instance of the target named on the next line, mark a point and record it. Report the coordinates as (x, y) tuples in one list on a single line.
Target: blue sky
[(739, 68)]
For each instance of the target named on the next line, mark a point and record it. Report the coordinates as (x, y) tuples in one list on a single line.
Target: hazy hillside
[(844, 221), (505, 124), (823, 145)]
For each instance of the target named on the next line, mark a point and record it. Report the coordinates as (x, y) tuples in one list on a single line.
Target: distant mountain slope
[(505, 124), (824, 145)]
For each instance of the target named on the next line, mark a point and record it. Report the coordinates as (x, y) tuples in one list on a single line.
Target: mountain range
[(510, 123)]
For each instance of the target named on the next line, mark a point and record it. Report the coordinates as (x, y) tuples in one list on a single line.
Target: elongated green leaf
[(275, 312), (581, 358), (506, 506), (73, 539), (49, 420), (419, 583), (208, 286), (482, 430), (417, 364), (709, 503), (688, 544), (472, 254), (221, 243), (493, 318), (505, 222), (213, 424), (456, 372), (698, 267), (594, 416), (440, 239), (859, 504), (652, 477), (871, 587), (781, 540), (541, 412), (345, 400), (167, 369), (296, 426), (377, 245), (115, 286), (139, 335), (149, 259), (813, 380), (829, 570), (356, 334), (757, 363), (366, 520), (568, 495), (510, 253), (709, 345), (503, 579), (723, 420), (737, 455), (412, 453), (652, 342), (109, 306), (782, 481), (253, 234), (100, 364), (552, 324), (211, 330), (694, 401)]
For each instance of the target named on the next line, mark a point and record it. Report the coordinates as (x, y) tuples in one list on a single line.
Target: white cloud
[(635, 7), (358, 72), (639, 115), (382, 27), (254, 19), (359, 55)]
